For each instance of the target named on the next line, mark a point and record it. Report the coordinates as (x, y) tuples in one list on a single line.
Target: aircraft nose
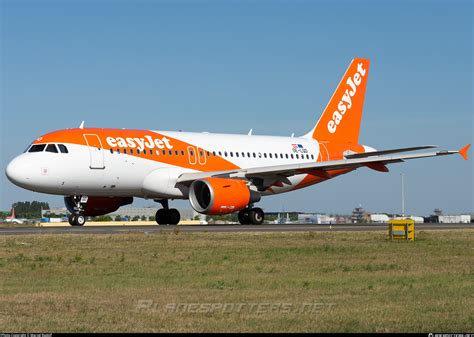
[(18, 171)]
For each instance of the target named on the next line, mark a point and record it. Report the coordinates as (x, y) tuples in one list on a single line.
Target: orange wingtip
[(463, 151)]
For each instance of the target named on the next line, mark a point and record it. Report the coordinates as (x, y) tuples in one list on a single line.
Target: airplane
[(12, 219), (98, 170)]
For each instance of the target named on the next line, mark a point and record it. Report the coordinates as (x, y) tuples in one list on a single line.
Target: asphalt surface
[(17, 230)]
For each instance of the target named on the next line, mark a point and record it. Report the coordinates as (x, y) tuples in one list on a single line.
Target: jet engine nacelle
[(221, 195), (98, 205)]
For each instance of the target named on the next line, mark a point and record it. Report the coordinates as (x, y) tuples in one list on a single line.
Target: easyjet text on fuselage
[(140, 143)]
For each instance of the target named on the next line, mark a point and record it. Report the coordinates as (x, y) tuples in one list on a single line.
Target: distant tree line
[(29, 210)]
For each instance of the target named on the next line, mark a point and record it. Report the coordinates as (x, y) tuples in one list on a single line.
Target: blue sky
[(229, 66)]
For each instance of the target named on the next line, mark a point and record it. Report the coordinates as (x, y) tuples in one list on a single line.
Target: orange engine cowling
[(220, 195)]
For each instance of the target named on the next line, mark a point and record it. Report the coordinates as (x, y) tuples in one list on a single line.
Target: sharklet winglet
[(463, 151)]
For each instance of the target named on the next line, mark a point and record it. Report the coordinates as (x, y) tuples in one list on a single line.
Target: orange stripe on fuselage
[(76, 136)]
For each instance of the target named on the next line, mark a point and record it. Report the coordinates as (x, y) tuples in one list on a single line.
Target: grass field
[(310, 282)]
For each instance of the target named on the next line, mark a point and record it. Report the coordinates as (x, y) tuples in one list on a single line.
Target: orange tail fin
[(340, 121)]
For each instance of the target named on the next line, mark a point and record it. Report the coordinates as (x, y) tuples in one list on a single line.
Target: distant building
[(417, 219), (465, 218), (359, 215), (379, 218), (316, 218), (54, 210), (149, 212)]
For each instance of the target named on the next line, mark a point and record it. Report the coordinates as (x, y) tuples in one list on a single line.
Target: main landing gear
[(251, 216), (166, 215)]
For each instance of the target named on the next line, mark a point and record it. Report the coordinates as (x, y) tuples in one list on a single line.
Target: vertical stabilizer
[(340, 121)]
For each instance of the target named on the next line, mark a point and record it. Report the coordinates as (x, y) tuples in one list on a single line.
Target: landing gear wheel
[(173, 216), (72, 219), (76, 220), (244, 217), (80, 220), (256, 216), (162, 216)]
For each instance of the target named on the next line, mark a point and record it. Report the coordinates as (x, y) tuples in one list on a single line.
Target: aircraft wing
[(372, 160), (378, 153)]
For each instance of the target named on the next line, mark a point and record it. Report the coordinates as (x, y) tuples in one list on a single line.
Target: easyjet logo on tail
[(345, 103), (140, 143)]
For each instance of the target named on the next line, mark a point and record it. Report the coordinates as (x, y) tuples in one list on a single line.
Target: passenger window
[(138, 151), (312, 156), (170, 152), (225, 154), (118, 151), (254, 155), (111, 151), (37, 148), (131, 151), (220, 153), (286, 155), (182, 152), (191, 153), (144, 151), (51, 148), (214, 153), (265, 155), (281, 155), (248, 154), (176, 152), (236, 154), (291, 155), (62, 148), (270, 155), (164, 152), (125, 151), (297, 156)]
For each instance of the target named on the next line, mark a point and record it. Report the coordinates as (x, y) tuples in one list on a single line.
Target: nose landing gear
[(77, 220), (75, 205)]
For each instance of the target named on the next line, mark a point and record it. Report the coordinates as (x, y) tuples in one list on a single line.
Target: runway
[(15, 230)]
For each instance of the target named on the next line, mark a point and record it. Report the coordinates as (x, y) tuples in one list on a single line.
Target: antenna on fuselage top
[(82, 125), (250, 132), (292, 135)]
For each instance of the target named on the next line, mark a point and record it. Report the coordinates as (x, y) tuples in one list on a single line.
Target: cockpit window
[(51, 148), (62, 148), (37, 148)]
